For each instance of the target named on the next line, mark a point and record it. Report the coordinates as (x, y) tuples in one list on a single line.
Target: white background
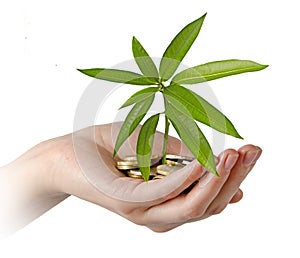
[(42, 42)]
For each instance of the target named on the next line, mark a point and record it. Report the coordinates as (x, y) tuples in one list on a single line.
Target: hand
[(157, 204), (81, 164)]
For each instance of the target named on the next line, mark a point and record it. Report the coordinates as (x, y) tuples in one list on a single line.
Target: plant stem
[(164, 152)]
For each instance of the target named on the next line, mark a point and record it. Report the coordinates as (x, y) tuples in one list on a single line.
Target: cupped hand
[(83, 166)]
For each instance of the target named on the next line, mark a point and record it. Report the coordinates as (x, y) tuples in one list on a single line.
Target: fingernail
[(251, 157), (230, 161)]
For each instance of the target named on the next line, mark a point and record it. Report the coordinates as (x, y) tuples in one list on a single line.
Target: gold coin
[(132, 161), (183, 161), (127, 163), (126, 167), (158, 177), (138, 174), (167, 169), (179, 157), (134, 176), (172, 162)]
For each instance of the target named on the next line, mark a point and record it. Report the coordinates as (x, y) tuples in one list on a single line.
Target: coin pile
[(130, 167)]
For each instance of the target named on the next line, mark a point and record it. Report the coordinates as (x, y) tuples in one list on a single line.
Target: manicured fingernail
[(230, 161), (251, 157)]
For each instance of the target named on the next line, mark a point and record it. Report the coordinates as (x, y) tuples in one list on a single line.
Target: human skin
[(55, 169)]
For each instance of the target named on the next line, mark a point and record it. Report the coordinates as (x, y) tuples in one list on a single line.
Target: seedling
[(183, 107)]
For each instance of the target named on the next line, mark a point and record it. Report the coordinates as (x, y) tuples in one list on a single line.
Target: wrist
[(33, 171), (27, 188)]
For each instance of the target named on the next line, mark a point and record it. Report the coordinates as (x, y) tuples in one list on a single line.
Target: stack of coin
[(131, 162), (130, 167)]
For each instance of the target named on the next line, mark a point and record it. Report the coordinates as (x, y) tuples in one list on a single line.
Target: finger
[(152, 192), (194, 204), (248, 156), (157, 191), (237, 197)]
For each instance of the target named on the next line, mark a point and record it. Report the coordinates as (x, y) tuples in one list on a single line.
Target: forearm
[(25, 191)]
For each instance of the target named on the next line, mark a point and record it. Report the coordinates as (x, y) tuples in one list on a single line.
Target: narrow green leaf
[(191, 135), (143, 60), (215, 70), (140, 95), (144, 145), (121, 76), (178, 48), (200, 109), (134, 117)]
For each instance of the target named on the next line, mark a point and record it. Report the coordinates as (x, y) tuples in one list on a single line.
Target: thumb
[(158, 191)]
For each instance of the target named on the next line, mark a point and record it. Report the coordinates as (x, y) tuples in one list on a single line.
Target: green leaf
[(178, 48), (200, 109), (190, 134), (134, 117), (215, 70), (143, 60), (121, 76), (140, 95), (144, 145)]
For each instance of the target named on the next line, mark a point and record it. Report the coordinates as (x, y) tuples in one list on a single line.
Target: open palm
[(86, 169)]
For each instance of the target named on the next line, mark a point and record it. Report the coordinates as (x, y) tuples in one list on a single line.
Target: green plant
[(182, 106)]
